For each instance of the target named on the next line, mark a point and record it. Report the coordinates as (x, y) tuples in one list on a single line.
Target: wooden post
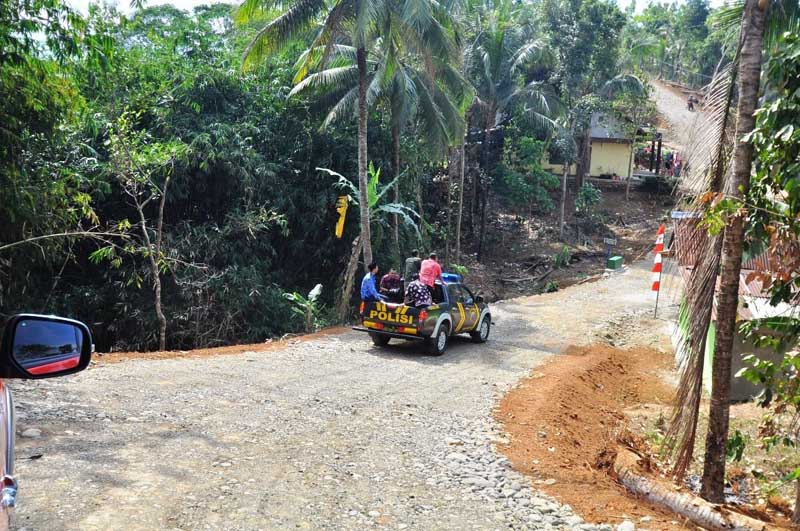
[(658, 156), (653, 154), (655, 310)]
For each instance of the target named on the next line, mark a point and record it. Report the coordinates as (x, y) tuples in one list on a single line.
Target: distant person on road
[(413, 264), (668, 161), (368, 291), (417, 294), (429, 272)]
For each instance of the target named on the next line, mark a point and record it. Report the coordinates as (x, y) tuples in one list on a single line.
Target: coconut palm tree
[(404, 83), (752, 37), (495, 62), (359, 23), (719, 262)]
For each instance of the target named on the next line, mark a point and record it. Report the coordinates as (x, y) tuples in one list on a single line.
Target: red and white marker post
[(657, 264)]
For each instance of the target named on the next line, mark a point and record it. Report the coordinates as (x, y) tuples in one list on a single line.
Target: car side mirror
[(479, 299), (44, 346)]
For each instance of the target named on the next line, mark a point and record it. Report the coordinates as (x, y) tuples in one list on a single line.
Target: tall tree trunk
[(482, 234), (484, 162), (162, 333), (452, 173), (796, 513), (152, 255), (363, 200), (563, 207), (630, 170), (486, 156), (421, 209), (396, 167), (731, 261), (473, 204), (487, 139), (463, 163), (347, 280), (584, 158), (676, 67)]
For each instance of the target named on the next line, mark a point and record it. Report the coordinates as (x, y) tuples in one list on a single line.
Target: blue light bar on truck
[(451, 278)]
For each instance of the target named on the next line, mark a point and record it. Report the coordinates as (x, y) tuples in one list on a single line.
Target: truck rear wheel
[(379, 340), (438, 344)]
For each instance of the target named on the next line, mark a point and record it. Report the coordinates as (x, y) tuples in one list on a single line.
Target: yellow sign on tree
[(341, 208)]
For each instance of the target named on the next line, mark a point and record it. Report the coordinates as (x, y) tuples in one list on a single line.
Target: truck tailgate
[(390, 317)]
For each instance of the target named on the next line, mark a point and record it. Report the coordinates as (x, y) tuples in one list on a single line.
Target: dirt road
[(683, 123), (325, 434)]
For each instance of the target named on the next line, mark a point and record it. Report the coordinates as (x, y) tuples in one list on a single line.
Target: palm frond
[(298, 17), (334, 78), (455, 84), (711, 136), (623, 84), (783, 16), (312, 58), (691, 353), (344, 108), (368, 17), (403, 98), (248, 10), (432, 119), (324, 45), (532, 50), (705, 166), (418, 14)]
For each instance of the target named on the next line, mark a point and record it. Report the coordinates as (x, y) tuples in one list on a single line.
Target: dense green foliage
[(522, 178), (684, 42)]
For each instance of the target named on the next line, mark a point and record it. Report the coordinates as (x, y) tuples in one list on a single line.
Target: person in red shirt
[(429, 272)]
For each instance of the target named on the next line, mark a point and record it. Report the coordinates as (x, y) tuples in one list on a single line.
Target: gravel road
[(685, 125), (325, 434)]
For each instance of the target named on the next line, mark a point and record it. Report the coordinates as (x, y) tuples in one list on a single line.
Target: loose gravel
[(325, 434)]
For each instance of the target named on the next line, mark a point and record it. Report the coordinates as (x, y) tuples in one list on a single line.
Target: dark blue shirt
[(368, 291)]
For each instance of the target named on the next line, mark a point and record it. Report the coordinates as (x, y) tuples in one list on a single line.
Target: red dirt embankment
[(565, 420)]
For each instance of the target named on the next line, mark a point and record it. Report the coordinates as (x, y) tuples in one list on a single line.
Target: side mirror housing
[(479, 299), (44, 346)]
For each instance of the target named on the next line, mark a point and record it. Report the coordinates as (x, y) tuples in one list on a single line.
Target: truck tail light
[(378, 326), (423, 315), (361, 308)]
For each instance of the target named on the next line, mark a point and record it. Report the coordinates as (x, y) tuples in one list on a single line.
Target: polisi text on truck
[(391, 317)]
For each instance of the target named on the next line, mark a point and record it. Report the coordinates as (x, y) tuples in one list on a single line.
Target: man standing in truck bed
[(412, 266), (429, 272)]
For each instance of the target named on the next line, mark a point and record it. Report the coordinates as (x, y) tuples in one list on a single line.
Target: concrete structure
[(611, 149)]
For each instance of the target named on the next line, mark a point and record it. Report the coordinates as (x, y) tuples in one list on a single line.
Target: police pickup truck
[(455, 310)]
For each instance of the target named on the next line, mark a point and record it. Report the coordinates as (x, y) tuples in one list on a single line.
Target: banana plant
[(375, 193), (307, 307)]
